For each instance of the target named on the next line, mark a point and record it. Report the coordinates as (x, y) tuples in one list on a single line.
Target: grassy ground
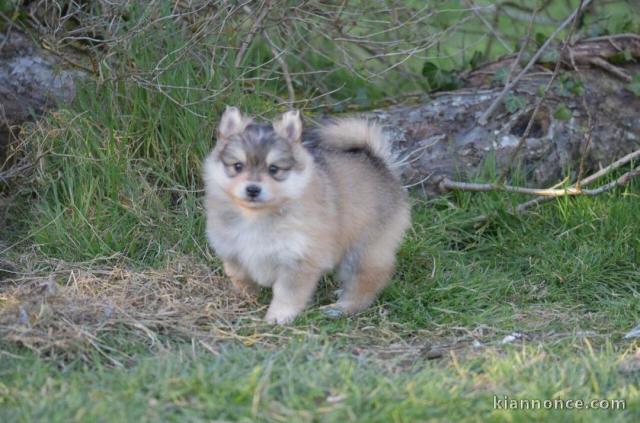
[(112, 308), (564, 279), (317, 380)]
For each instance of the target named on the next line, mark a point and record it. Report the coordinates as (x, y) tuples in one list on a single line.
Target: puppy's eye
[(238, 167), (273, 170)]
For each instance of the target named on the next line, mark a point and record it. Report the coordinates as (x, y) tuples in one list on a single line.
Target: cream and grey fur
[(284, 208)]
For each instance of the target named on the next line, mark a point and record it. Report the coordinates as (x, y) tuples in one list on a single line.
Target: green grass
[(318, 381), (119, 184), (565, 276), (577, 252)]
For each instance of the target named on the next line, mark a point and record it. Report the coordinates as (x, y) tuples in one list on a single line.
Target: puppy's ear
[(289, 126), (232, 123)]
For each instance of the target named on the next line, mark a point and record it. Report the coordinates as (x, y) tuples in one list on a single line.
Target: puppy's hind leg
[(367, 273), (347, 270), (373, 274)]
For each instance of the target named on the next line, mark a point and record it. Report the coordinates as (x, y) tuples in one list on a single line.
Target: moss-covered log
[(442, 137)]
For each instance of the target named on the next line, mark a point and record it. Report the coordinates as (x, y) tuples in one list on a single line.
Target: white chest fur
[(262, 247)]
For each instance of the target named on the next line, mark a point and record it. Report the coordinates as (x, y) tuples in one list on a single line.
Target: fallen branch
[(547, 194), (601, 63), (586, 181), (448, 184), (613, 166)]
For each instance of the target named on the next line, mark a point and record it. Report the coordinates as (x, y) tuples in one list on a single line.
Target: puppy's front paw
[(281, 315), (245, 289)]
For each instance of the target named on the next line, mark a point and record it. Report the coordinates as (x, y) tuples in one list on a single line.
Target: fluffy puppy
[(284, 208)]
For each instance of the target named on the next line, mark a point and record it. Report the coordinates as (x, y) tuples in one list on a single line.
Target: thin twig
[(613, 166), (520, 13), (589, 135), (7, 31), (525, 43), (448, 184), (545, 195), (613, 37), (487, 114), (471, 4), (586, 181), (603, 64), (283, 64), (545, 91), (252, 32), (14, 171)]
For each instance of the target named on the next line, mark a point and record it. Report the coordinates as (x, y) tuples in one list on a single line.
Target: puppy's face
[(260, 166)]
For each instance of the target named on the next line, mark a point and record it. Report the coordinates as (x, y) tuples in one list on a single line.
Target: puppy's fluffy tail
[(352, 133)]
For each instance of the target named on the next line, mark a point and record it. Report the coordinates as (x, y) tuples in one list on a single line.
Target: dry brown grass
[(73, 309), (78, 310)]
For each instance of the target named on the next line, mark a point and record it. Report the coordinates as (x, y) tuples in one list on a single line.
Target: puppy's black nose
[(253, 191)]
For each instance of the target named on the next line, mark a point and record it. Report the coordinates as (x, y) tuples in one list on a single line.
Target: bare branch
[(584, 182), (532, 118), (255, 28), (601, 63), (544, 194), (448, 184), (487, 114), (283, 64), (490, 27)]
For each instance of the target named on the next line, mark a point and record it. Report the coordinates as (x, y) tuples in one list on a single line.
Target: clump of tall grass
[(121, 166)]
